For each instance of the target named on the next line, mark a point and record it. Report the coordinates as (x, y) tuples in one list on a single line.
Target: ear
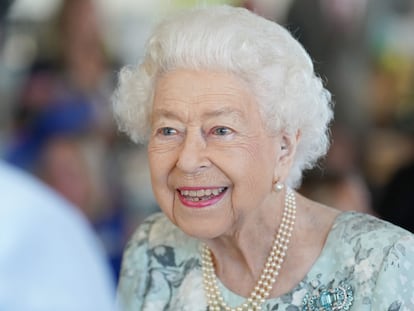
[(285, 153)]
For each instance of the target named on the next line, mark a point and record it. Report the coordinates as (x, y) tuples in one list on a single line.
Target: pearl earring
[(278, 186)]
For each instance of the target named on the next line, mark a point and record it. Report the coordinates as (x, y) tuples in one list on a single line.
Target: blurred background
[(58, 65)]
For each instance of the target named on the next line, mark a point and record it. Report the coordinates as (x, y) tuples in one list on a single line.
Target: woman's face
[(212, 161)]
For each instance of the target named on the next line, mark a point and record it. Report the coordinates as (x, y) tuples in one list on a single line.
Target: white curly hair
[(264, 54)]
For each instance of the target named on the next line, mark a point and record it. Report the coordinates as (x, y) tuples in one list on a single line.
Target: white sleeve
[(50, 258)]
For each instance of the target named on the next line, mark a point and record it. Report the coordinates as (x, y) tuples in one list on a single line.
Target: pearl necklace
[(269, 274)]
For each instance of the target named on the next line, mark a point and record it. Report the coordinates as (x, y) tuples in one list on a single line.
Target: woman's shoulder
[(371, 256), (354, 226), (362, 238)]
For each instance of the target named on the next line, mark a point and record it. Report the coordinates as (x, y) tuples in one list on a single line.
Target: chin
[(203, 230)]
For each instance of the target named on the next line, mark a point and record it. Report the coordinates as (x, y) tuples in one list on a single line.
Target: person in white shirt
[(50, 258)]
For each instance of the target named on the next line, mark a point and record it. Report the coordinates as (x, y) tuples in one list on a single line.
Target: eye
[(221, 131), (167, 131)]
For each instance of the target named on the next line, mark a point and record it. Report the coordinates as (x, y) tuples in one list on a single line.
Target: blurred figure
[(84, 62), (396, 195), (397, 204), (68, 92), (391, 90), (64, 165), (75, 167), (339, 181), (49, 257), (81, 44), (334, 33), (270, 9), (63, 129), (341, 190)]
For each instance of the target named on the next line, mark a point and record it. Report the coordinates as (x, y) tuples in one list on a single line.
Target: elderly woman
[(233, 113)]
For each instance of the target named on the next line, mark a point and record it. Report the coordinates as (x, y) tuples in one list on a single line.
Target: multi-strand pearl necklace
[(269, 274)]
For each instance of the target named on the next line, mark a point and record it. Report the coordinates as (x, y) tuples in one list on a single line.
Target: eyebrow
[(165, 113)]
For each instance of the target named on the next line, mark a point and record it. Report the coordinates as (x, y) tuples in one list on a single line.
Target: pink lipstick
[(198, 197)]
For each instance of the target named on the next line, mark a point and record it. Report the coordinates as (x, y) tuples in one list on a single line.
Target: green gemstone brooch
[(335, 299)]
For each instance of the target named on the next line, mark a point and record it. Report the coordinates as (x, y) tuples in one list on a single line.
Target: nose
[(193, 153)]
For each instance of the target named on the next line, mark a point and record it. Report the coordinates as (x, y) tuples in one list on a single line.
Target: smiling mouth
[(201, 194)]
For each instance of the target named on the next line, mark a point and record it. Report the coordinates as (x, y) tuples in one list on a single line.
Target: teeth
[(201, 193)]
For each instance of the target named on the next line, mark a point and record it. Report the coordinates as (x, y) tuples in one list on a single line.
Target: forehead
[(209, 77), (203, 88)]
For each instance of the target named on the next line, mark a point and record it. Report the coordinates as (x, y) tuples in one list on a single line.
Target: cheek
[(251, 156), (253, 168), (164, 194), (161, 160), (161, 165)]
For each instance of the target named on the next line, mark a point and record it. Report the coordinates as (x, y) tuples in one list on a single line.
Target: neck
[(239, 257)]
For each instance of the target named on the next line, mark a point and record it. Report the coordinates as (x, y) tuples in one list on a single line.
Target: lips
[(200, 197)]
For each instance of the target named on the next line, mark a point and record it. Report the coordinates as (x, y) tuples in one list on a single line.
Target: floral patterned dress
[(366, 264)]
